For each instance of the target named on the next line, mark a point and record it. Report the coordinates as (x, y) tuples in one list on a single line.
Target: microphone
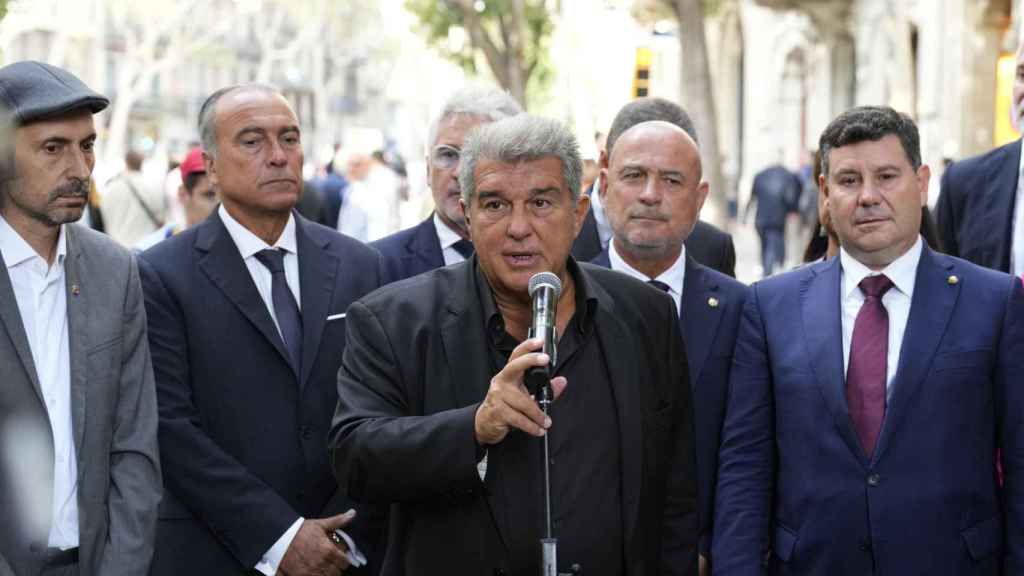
[(545, 288)]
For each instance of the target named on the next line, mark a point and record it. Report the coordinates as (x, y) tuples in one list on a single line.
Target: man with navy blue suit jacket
[(247, 328), (870, 393), (443, 238), (980, 211), (652, 189)]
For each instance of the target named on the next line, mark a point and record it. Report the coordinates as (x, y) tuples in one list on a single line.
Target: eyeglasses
[(445, 157)]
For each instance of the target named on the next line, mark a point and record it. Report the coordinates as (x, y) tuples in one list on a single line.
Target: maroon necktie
[(866, 374)]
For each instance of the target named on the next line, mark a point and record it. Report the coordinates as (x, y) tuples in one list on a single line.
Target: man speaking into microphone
[(434, 417)]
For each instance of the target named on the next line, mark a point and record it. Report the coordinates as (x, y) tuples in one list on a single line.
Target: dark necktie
[(659, 285), (289, 320), (464, 247), (866, 374)]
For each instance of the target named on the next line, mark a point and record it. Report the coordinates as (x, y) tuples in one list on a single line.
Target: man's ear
[(211, 168), (924, 177), (580, 213), (465, 212)]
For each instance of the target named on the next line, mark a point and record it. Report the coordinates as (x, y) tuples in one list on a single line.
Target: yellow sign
[(1006, 70), (642, 74)]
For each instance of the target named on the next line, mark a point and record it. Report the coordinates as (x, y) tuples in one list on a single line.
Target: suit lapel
[(616, 344), (930, 310), (220, 260), (1002, 185), (317, 271), (425, 248), (821, 315), (699, 318), (10, 316), (78, 303)]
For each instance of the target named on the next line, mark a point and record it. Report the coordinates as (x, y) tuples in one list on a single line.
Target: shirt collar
[(15, 250), (445, 235), (673, 277), (901, 271), (249, 244), (586, 300)]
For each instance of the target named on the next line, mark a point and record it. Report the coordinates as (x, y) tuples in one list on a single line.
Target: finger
[(334, 560), (520, 421), (526, 346), (340, 521), (520, 401), (513, 371), (558, 384)]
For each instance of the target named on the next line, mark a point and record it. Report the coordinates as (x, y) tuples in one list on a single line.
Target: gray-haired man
[(432, 383), (443, 238), (79, 477)]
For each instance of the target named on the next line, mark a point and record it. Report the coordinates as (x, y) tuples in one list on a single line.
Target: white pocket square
[(335, 316)]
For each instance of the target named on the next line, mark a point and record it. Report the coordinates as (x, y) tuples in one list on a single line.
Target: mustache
[(648, 214), (76, 188)]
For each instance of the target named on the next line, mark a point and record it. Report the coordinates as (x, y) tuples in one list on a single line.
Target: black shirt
[(584, 446)]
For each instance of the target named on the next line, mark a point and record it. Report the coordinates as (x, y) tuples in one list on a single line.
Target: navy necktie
[(289, 319), (659, 285), (866, 374), (464, 247)]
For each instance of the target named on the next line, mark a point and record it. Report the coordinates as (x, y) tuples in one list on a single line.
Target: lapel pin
[(952, 280), (75, 290), (713, 302)]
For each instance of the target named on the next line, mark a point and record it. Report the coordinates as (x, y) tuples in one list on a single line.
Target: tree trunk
[(697, 97)]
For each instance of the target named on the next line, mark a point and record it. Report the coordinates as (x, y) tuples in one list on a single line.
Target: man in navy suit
[(870, 393), (653, 191), (443, 238), (246, 326), (980, 211)]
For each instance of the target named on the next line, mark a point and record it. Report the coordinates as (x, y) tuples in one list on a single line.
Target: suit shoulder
[(624, 289), (345, 246), (975, 273), (710, 232), (97, 245), (791, 280), (433, 288), (973, 164), (394, 243), (727, 284)]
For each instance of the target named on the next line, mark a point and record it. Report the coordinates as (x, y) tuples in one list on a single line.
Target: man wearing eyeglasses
[(443, 239)]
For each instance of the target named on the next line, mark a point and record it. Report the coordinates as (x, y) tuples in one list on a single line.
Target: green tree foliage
[(511, 36)]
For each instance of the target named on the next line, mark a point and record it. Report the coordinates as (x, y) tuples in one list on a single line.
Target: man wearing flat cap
[(79, 475)]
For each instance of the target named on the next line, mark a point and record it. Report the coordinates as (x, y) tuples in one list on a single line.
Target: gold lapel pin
[(75, 290), (952, 280), (713, 302)]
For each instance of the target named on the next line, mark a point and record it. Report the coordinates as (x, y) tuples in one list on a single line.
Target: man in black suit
[(706, 244), (433, 416), (775, 192), (980, 211), (246, 327), (653, 192), (443, 239)]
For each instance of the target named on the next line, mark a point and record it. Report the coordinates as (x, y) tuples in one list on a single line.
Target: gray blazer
[(113, 413)]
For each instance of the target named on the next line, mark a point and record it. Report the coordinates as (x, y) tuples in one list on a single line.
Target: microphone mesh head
[(545, 278)]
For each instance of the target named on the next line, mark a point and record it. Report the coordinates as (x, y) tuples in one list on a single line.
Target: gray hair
[(207, 130), (484, 101), (521, 138), (648, 110)]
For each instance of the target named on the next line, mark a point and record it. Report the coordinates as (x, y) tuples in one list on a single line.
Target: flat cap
[(35, 90)]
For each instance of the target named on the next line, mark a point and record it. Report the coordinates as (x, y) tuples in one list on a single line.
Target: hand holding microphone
[(508, 403)]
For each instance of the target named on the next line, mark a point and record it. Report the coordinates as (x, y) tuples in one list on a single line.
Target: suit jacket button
[(306, 432), (865, 546), (874, 480)]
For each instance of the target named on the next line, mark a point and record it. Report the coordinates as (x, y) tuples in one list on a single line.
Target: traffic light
[(642, 73)]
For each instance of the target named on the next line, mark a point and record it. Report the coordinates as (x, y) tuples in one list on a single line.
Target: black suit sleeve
[(382, 448), (728, 257), (246, 514), (680, 518), (945, 214)]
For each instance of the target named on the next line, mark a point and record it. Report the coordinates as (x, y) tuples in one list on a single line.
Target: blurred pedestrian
[(776, 192), (196, 194), (132, 206), (79, 474)]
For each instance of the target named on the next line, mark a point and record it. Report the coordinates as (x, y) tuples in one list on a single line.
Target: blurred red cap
[(193, 163)]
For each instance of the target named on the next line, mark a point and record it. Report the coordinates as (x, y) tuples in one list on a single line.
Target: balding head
[(653, 191)]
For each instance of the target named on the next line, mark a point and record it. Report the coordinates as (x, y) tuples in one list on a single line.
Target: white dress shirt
[(448, 238), (604, 229), (903, 274), (248, 245), (673, 277), (40, 291), (1017, 237)]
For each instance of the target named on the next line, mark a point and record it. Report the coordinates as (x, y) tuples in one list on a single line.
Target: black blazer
[(414, 373), (975, 209), (409, 252), (243, 445), (707, 244), (709, 320)]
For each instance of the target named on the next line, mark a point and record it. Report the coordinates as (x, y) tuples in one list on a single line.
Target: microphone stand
[(539, 382)]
